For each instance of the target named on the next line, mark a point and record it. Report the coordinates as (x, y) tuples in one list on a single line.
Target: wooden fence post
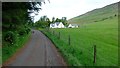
[(69, 39), (59, 35), (94, 54)]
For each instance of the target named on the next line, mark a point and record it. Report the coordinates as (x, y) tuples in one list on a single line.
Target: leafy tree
[(64, 20), (53, 19), (16, 18), (43, 22), (48, 21), (16, 13), (58, 20)]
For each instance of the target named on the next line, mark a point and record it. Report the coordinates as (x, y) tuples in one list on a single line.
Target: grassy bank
[(8, 51), (62, 47), (103, 34)]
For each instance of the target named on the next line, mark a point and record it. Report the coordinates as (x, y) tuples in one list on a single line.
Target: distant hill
[(96, 15)]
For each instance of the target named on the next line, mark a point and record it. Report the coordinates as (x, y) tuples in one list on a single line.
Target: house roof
[(57, 23), (52, 24)]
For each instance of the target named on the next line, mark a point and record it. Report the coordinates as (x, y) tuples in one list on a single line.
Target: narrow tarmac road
[(39, 51)]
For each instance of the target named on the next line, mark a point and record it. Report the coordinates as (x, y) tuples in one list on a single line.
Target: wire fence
[(68, 39)]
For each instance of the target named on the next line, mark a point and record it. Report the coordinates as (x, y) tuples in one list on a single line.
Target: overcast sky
[(70, 8)]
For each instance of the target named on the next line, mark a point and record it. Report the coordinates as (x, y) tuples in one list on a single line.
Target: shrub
[(27, 30), (22, 32), (10, 37)]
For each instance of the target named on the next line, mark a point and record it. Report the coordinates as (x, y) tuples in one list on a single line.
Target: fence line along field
[(103, 34)]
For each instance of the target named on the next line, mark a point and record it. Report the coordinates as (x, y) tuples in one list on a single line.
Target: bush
[(10, 37), (27, 30), (22, 32)]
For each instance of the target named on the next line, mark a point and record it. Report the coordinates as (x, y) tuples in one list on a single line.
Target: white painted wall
[(72, 26)]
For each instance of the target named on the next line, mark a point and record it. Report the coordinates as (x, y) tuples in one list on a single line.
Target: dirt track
[(39, 51)]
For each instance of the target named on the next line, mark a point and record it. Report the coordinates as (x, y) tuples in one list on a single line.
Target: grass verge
[(8, 51), (64, 48)]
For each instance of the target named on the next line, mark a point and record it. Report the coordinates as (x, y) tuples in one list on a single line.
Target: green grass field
[(103, 34)]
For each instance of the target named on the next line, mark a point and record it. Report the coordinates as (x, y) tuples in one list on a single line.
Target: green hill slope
[(96, 15)]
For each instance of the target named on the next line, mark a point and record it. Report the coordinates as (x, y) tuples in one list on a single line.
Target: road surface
[(39, 51)]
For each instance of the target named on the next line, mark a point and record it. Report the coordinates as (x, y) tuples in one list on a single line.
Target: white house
[(73, 26), (57, 25)]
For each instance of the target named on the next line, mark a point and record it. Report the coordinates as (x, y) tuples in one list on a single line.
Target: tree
[(64, 20), (44, 18), (48, 21), (53, 19), (58, 20), (43, 22), (18, 13)]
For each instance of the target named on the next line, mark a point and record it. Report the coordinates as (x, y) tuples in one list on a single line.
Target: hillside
[(96, 15)]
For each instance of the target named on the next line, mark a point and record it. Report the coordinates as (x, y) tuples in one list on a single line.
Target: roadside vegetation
[(16, 26), (8, 49)]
